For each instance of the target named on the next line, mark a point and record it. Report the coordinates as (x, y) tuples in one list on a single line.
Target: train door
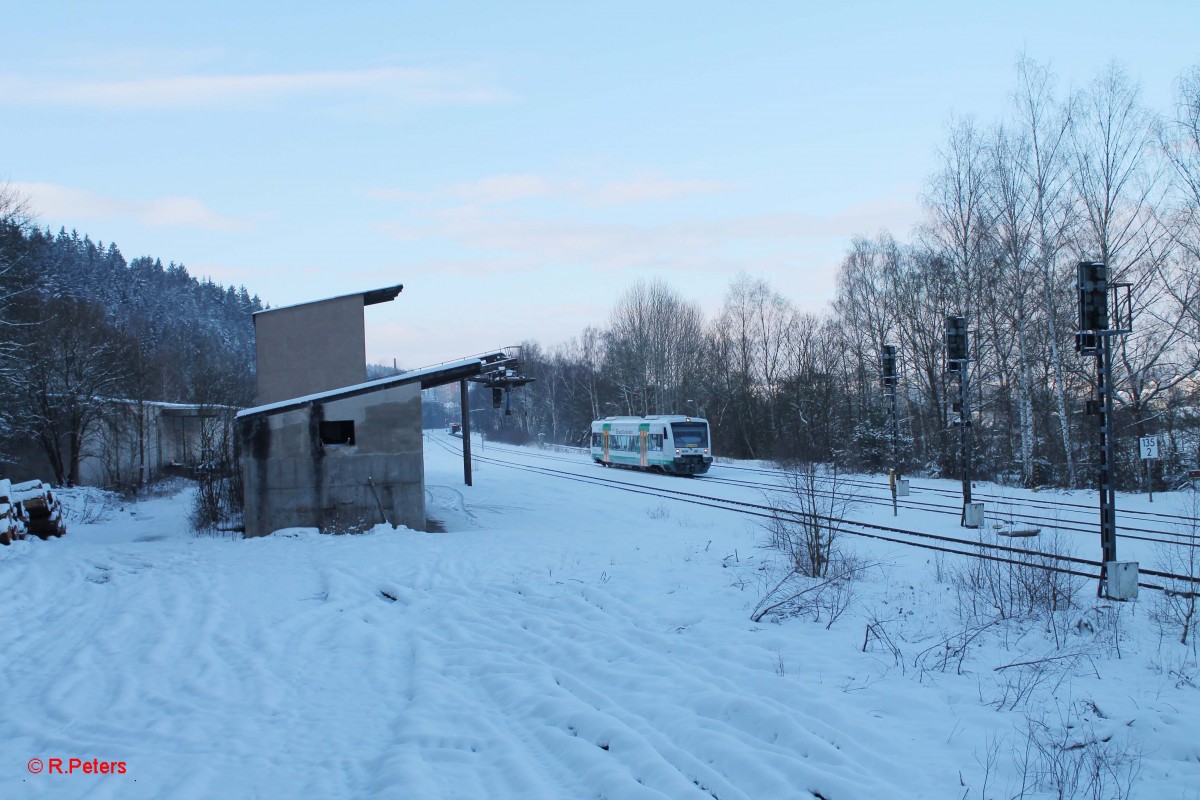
[(643, 436), (606, 433)]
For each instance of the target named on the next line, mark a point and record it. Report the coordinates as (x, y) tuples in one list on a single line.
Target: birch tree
[(1181, 144), (1010, 203), (1118, 178), (1045, 125)]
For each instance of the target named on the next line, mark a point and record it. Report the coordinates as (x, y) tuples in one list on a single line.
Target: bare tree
[(810, 508), (1011, 201), (14, 219), (925, 285), (1046, 127), (815, 391), (74, 366), (959, 228), (816, 573), (1181, 144), (1177, 608), (755, 328), (653, 344), (1116, 179)]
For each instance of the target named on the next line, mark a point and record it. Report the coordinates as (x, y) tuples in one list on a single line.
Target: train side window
[(656, 441)]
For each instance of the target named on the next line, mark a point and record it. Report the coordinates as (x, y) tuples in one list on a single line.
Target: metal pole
[(895, 434), (965, 436), (466, 431), (1149, 481), (1108, 495), (895, 451)]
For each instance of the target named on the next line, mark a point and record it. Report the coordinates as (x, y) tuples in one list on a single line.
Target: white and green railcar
[(674, 444)]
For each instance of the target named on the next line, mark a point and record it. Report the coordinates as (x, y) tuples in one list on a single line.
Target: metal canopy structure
[(429, 377), (501, 379)]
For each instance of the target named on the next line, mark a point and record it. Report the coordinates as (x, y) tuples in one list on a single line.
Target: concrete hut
[(326, 448)]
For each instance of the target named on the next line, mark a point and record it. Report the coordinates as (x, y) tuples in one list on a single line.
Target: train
[(674, 444)]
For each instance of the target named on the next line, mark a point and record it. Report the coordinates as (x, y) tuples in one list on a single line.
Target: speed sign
[(1149, 447)]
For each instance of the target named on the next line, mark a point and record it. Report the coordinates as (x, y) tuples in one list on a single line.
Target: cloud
[(69, 204), (481, 241), (649, 189), (505, 189), (402, 85)]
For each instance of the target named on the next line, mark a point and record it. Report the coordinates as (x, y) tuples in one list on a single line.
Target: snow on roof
[(170, 406)]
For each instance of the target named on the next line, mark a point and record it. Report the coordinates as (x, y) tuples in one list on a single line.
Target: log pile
[(29, 508), (12, 526)]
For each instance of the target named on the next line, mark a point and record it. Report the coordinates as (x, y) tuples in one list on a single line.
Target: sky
[(517, 166)]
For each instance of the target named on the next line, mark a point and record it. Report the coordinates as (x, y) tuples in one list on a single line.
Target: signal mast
[(1118, 580), (958, 359), (888, 379)]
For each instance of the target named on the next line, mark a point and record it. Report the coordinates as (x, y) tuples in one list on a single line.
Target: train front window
[(690, 434)]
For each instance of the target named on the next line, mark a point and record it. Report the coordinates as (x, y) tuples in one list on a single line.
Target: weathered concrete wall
[(310, 348), (292, 480), (170, 435)]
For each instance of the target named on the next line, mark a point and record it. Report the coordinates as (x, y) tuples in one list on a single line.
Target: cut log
[(33, 509), (27, 486), (37, 507)]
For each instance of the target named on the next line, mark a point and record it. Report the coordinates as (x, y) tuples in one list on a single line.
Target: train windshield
[(690, 434)]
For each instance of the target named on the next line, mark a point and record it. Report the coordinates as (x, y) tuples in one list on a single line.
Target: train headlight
[(706, 451), (676, 451)]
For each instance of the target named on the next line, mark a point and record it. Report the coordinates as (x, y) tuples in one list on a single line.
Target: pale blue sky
[(517, 165)]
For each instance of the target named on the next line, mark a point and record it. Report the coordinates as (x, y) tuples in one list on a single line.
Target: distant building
[(135, 442), (141, 442)]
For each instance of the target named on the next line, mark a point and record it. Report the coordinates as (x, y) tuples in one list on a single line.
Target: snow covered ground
[(559, 640)]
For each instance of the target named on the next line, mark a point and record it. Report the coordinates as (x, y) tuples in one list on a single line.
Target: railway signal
[(888, 379), (958, 359), (1097, 327)]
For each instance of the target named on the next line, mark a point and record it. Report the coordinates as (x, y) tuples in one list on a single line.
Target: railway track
[(992, 551), (1069, 517)]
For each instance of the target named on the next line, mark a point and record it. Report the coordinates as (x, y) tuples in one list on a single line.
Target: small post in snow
[(466, 431), (1149, 447), (892, 481)]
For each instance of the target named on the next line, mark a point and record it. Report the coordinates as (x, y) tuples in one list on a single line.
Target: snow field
[(559, 641)]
